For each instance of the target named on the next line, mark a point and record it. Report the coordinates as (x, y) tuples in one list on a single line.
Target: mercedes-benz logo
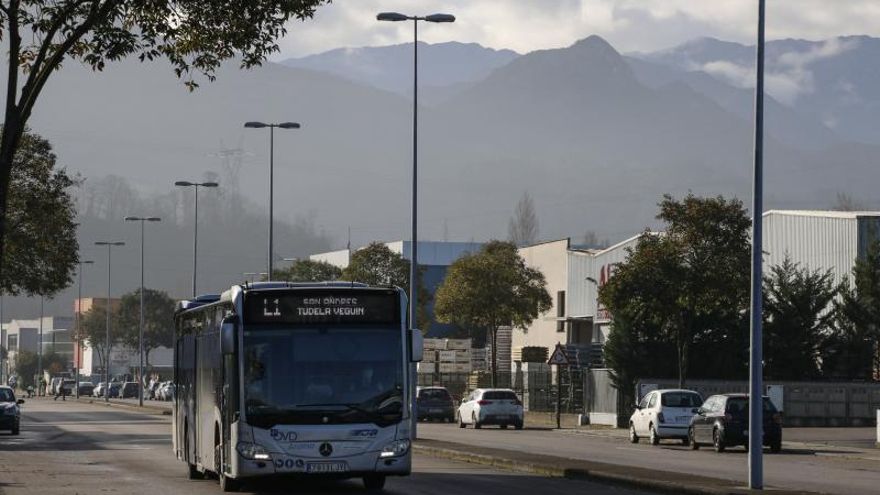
[(325, 449)]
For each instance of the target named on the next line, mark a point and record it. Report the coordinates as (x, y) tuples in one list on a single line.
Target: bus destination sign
[(314, 307)]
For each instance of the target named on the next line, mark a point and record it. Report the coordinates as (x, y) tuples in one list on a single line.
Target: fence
[(804, 403), (537, 389)]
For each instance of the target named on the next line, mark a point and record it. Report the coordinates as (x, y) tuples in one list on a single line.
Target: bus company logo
[(364, 433), (325, 449), (282, 436)]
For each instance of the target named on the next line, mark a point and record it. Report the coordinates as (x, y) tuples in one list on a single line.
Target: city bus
[(295, 379)]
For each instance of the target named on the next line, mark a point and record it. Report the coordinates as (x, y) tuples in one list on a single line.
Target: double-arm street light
[(142, 220), (261, 125), (414, 258), (110, 245), (79, 296), (195, 186)]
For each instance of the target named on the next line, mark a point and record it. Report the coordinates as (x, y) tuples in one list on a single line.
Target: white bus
[(295, 379)]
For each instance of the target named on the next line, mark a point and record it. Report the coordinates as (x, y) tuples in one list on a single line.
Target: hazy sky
[(630, 25)]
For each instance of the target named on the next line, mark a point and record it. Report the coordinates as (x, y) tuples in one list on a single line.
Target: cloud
[(527, 25), (788, 75)]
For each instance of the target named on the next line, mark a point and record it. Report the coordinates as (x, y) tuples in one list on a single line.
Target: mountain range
[(596, 137)]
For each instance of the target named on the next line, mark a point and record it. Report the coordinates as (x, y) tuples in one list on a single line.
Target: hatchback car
[(128, 389), (491, 406), (86, 388), (10, 415), (664, 414), (434, 403), (723, 421)]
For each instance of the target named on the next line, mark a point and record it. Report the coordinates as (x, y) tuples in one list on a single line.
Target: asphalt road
[(76, 448), (826, 469)]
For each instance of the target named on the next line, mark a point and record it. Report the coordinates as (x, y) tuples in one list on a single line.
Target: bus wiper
[(346, 407)]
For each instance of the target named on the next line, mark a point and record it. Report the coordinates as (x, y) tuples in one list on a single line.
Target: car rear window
[(434, 394), (6, 395), (499, 395), (740, 405), (681, 399)]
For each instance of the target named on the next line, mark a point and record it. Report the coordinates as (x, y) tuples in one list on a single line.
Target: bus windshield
[(323, 375)]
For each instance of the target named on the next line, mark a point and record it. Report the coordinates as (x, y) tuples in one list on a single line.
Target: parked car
[(10, 415), (664, 414), (98, 391), (434, 403), (113, 389), (86, 388), (128, 389), (491, 406), (67, 385), (723, 421)]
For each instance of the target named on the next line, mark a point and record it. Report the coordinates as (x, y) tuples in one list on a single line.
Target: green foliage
[(40, 252), (158, 320), (377, 264), (308, 271), (797, 317), (489, 289), (855, 350), (683, 288), (26, 368)]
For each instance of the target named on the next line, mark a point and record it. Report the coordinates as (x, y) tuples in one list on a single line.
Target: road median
[(561, 467), (146, 409)]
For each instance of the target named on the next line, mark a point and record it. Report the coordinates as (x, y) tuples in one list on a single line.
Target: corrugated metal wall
[(815, 242)]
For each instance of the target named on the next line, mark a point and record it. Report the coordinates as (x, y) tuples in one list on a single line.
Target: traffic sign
[(558, 357)]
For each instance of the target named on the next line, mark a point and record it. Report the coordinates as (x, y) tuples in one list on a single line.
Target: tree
[(308, 271), (40, 253), (490, 289), (93, 330), (690, 283), (158, 321), (858, 340), (523, 227), (376, 264), (798, 317), (591, 240), (26, 368), (845, 202), (196, 36)]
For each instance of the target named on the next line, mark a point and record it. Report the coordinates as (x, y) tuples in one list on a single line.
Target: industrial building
[(815, 240)]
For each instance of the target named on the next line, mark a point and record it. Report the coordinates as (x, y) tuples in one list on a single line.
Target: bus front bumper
[(337, 467)]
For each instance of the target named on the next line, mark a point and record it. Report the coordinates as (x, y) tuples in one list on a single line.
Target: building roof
[(824, 213)]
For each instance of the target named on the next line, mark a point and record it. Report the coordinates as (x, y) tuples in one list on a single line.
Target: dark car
[(434, 403), (9, 412), (86, 388), (113, 389), (128, 389), (723, 421)]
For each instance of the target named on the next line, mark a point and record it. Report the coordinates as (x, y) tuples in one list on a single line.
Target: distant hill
[(833, 82), (390, 67)]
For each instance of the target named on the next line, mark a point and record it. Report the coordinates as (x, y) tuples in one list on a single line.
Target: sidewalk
[(561, 467)]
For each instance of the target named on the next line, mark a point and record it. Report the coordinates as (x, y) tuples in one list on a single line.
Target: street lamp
[(109, 245), (40, 349), (142, 220), (414, 259), (195, 186), (414, 262), (261, 125), (79, 295)]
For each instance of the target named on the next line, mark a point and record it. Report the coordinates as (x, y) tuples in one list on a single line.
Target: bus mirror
[(227, 336), (418, 345)]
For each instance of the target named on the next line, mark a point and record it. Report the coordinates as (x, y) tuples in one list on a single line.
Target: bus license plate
[(326, 467)]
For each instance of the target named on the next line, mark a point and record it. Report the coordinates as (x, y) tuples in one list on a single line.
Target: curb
[(159, 411), (558, 467)]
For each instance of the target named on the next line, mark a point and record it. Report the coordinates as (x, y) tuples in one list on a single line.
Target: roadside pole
[(558, 359)]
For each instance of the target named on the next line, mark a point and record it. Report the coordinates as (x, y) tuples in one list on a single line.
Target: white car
[(664, 414), (491, 406)]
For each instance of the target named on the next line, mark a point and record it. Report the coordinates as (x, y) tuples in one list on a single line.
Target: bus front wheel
[(374, 482)]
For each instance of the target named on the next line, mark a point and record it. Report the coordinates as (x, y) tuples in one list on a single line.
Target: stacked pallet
[(452, 355)]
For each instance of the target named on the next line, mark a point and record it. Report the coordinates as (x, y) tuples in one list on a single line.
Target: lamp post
[(261, 125), (142, 220), (195, 186), (756, 360), (40, 349), (414, 258), (79, 295), (109, 245), (414, 262)]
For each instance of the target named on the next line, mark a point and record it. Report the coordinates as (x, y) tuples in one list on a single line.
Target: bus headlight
[(252, 451), (395, 448)]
